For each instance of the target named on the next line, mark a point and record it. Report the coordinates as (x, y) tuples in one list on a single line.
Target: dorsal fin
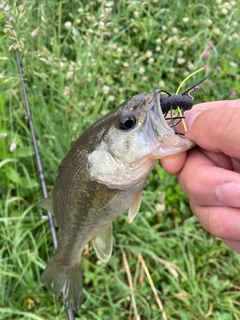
[(103, 244)]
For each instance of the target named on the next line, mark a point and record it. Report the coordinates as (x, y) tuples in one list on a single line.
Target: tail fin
[(65, 279)]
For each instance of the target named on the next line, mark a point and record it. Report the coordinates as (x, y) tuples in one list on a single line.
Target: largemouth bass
[(103, 175)]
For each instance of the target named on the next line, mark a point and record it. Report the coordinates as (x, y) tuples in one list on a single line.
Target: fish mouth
[(161, 135), (158, 122)]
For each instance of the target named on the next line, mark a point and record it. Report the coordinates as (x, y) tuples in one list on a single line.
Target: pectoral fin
[(132, 212), (103, 244)]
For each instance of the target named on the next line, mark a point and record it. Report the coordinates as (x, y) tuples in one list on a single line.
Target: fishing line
[(37, 155)]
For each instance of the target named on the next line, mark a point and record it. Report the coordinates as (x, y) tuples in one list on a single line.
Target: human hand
[(210, 173)]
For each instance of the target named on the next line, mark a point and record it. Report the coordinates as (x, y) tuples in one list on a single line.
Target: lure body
[(171, 101)]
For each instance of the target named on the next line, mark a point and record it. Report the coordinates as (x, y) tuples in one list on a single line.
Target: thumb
[(214, 126)]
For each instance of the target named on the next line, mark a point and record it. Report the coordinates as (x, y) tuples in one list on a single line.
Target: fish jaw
[(162, 137)]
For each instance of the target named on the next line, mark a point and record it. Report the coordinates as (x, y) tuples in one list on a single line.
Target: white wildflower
[(101, 24), (74, 32), (113, 46), (180, 53), (235, 36), (181, 60), (151, 60), (3, 135), (136, 14), (105, 89), (148, 54), (89, 77), (175, 30), (185, 19), (13, 146), (226, 5), (80, 10), (93, 62), (108, 12), (148, 213), (158, 40), (224, 10), (70, 75), (141, 70), (81, 104), (209, 22), (190, 66), (109, 4), (218, 1), (7, 7), (160, 207), (111, 98), (233, 64), (217, 31), (68, 25), (158, 48), (66, 91), (119, 50), (126, 64), (161, 84)]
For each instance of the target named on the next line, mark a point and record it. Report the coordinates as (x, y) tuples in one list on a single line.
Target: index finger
[(215, 126)]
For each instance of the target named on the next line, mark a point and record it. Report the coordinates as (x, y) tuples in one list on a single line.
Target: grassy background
[(80, 60)]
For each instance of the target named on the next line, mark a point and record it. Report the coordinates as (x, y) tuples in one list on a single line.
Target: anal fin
[(103, 244), (133, 210)]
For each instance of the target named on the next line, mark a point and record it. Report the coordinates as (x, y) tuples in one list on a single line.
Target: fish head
[(134, 136)]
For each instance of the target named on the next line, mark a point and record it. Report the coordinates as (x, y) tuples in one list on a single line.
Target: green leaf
[(13, 175), (24, 152), (28, 183)]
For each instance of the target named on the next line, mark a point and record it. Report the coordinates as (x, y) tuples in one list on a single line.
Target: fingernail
[(190, 117), (228, 193)]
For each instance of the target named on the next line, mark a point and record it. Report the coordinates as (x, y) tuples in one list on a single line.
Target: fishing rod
[(38, 158)]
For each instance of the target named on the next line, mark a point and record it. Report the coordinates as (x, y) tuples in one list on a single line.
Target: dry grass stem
[(133, 301), (160, 305)]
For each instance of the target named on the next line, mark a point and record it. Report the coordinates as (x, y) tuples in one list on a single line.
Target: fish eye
[(127, 122)]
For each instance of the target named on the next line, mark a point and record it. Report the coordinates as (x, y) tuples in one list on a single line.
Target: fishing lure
[(184, 101)]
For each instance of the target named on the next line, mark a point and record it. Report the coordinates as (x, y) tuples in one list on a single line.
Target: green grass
[(75, 73)]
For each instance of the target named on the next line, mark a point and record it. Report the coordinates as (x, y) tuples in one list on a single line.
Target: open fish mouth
[(172, 119), (158, 121), (161, 132)]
